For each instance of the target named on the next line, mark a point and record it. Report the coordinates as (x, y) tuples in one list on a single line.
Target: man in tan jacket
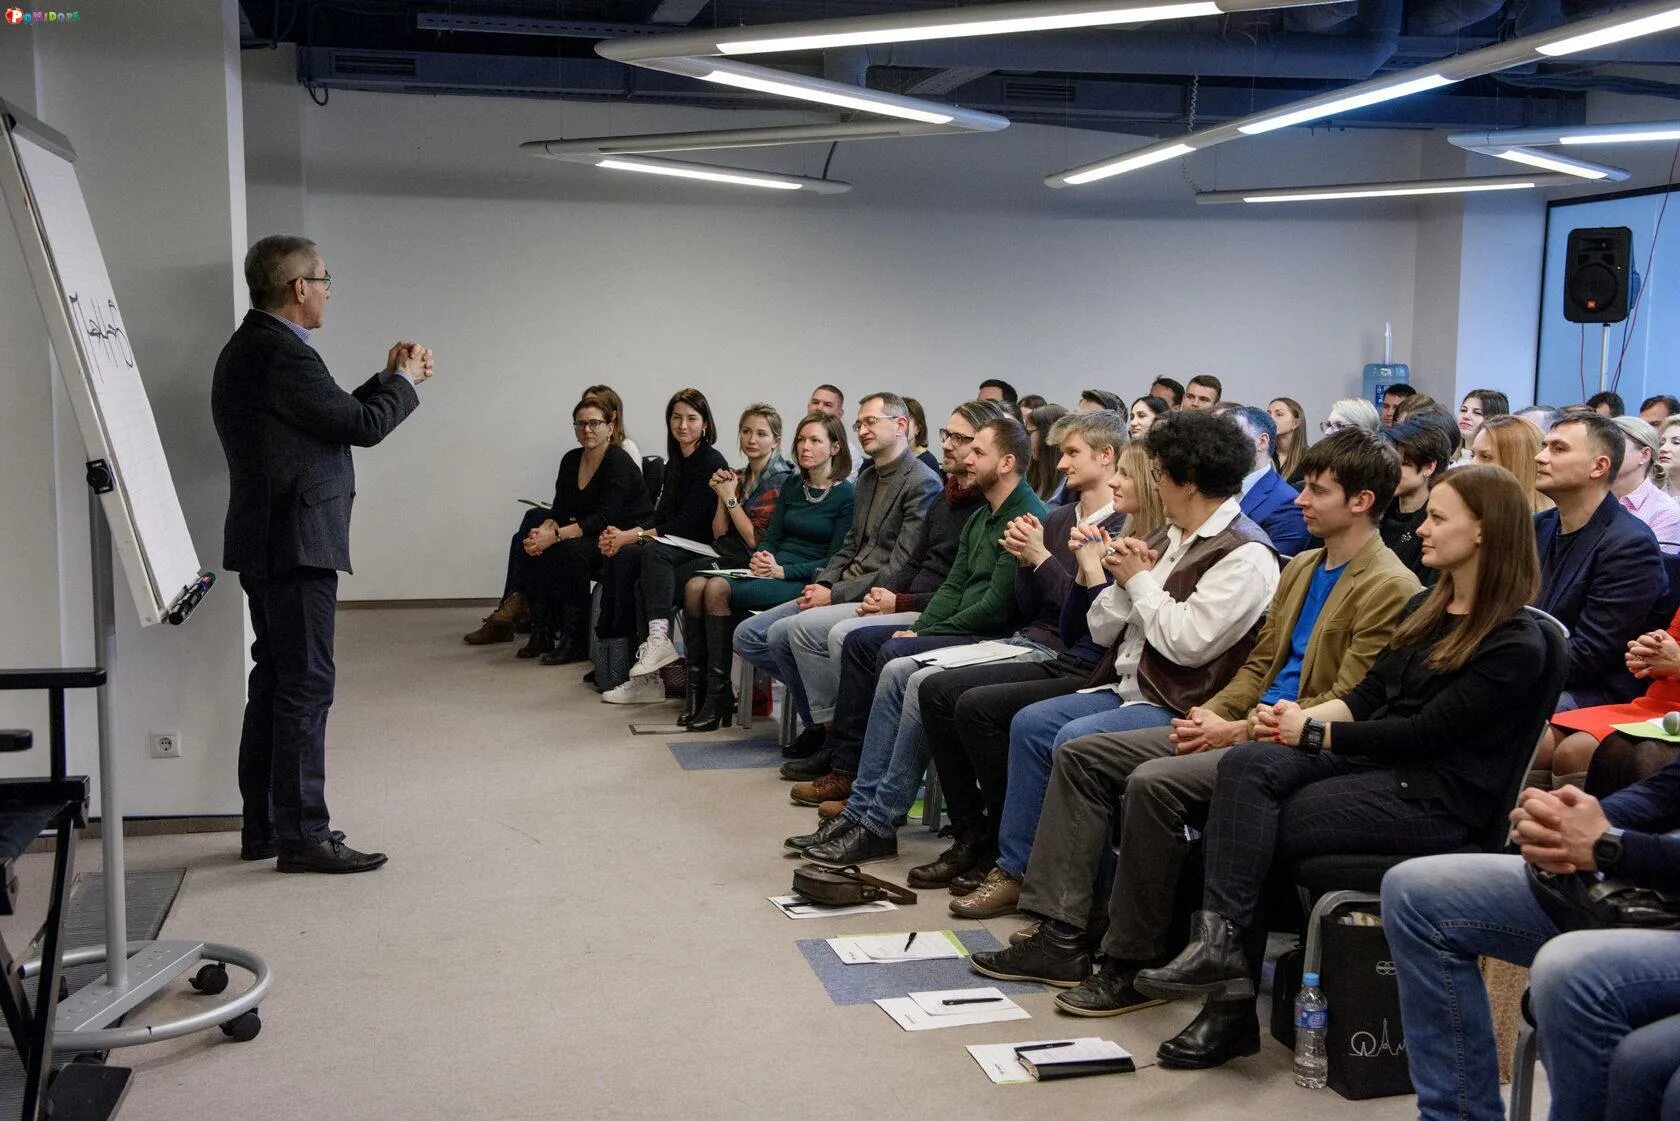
[(1334, 611)]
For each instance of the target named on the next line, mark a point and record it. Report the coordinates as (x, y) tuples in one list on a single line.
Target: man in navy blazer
[(286, 429), (1267, 500), (1600, 568)]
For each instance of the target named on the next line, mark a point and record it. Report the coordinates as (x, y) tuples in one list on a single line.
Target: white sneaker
[(654, 655), (644, 690)]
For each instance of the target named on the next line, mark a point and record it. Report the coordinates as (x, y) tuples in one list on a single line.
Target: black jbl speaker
[(1595, 275)]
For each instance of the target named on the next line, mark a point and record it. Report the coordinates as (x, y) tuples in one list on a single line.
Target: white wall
[(949, 263)]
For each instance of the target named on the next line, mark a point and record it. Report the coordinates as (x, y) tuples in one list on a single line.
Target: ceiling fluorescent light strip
[(1653, 136), (1552, 163), (1117, 167), (895, 107), (735, 178), (1398, 189), (1519, 145), (1628, 23), (1392, 192)]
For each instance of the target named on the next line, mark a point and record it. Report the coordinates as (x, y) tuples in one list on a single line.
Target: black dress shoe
[(1224, 1030), (807, 743), (330, 855), (1213, 963), (1107, 992), (825, 833), (959, 858), (1047, 956), (256, 849), (808, 768), (965, 882), (854, 846)]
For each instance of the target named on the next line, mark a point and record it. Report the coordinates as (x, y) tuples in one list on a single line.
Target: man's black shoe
[(965, 882), (959, 858), (825, 833), (1224, 1030), (1107, 992), (807, 743), (1046, 956), (330, 855), (1213, 964), (807, 768), (263, 846), (854, 846)]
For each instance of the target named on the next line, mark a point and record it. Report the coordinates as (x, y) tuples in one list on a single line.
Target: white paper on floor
[(796, 908), (951, 1008), (882, 949)]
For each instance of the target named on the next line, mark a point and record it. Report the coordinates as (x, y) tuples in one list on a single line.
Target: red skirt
[(1662, 697)]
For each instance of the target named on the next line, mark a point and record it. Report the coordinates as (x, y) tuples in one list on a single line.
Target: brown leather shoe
[(498, 626), (828, 810), (832, 787), (998, 895)]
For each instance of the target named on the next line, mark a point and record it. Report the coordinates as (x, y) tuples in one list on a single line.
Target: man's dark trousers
[(282, 747)]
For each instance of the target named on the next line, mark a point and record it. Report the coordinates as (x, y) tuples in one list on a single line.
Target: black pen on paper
[(973, 1000), (1044, 1046), (910, 939)]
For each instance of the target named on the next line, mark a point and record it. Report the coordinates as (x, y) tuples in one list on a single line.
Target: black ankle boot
[(1213, 963), (541, 641), (571, 637), (1222, 1031), (719, 709), (694, 645)]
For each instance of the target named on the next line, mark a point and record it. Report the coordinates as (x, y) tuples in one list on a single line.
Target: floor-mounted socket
[(166, 745)]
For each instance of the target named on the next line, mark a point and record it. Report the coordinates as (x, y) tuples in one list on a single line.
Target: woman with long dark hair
[(1292, 438), (1414, 760), (1042, 475)]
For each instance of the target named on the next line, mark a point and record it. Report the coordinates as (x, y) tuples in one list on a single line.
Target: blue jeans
[(801, 649), (756, 645), (1035, 735), (1589, 989), (1645, 1074)]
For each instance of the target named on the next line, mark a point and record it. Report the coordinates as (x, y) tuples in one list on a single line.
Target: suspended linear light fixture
[(1383, 190)]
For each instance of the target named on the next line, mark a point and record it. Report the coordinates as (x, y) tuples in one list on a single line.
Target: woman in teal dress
[(810, 521)]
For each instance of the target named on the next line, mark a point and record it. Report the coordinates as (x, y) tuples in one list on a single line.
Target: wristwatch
[(731, 504), (1607, 850), (1312, 737)]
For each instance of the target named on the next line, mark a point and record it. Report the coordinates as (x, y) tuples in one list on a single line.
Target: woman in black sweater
[(1414, 760), (636, 561), (598, 484)]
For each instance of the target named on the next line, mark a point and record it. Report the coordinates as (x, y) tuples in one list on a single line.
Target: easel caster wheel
[(210, 980), (244, 1027)]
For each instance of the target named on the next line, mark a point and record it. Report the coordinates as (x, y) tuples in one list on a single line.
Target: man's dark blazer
[(1602, 590), (285, 428), (1270, 504)]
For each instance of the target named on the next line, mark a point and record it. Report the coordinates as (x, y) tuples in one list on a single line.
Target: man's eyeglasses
[(867, 422), (956, 438), (1333, 426), (324, 278), (589, 425)]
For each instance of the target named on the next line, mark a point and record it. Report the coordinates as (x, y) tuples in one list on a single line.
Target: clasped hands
[(1556, 829), (1023, 539), (1095, 549), (878, 601), (725, 483), (1201, 730), (613, 539), (1655, 654), (764, 564), (410, 358)]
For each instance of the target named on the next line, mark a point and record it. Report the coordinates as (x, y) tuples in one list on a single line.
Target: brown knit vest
[(1161, 680)]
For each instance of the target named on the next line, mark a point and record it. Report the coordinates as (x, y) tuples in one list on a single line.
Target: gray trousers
[(1163, 792)]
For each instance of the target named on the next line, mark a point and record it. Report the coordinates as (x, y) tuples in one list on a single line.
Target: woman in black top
[(635, 559), (1414, 760), (598, 483)]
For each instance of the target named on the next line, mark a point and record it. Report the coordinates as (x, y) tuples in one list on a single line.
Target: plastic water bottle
[(1312, 1016)]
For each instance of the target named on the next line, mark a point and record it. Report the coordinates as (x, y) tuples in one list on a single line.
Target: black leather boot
[(1213, 963), (1222, 1031), (969, 850), (541, 641), (568, 637), (719, 709), (694, 643), (1049, 957)]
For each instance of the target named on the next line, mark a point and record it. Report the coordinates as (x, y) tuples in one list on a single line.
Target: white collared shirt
[(1228, 600)]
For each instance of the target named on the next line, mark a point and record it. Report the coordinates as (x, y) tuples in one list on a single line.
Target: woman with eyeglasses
[(1352, 412), (598, 483)]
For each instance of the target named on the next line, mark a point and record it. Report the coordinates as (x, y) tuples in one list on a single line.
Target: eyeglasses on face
[(869, 422), (589, 425), (1155, 472), (325, 279), (956, 438), (1333, 426)]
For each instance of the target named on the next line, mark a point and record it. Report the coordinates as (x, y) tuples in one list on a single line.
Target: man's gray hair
[(273, 263), (1100, 428)]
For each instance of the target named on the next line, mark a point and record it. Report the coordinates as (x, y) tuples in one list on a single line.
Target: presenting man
[(285, 428)]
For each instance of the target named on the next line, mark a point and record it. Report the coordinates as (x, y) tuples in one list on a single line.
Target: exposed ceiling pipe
[(1320, 20), (1445, 17)]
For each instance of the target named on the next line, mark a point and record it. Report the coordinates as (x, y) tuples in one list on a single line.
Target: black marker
[(1044, 1046), (973, 1000), (910, 939)]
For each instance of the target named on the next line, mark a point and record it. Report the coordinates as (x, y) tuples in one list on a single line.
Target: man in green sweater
[(975, 600)]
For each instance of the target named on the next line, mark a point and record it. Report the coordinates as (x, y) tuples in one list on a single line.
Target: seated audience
[(1567, 746), (1512, 443), (1178, 613), (995, 389), (1092, 400), (1636, 492), (513, 612), (1392, 396), (1655, 410), (1607, 403), (975, 600), (1031, 401), (1292, 441), (1267, 500), (1389, 767), (1477, 406), (1600, 570), (1425, 452), (1334, 612), (1043, 476), (1169, 391), (808, 524), (1600, 998), (1668, 456), (1352, 412), (1202, 392), (892, 494), (1145, 412), (597, 484), (919, 434), (1541, 416), (640, 579)]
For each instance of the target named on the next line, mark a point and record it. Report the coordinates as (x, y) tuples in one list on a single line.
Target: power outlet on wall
[(166, 745)]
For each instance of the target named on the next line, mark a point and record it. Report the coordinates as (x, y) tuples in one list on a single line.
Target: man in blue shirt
[(1267, 500)]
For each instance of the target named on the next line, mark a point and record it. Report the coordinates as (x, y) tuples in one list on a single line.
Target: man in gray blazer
[(286, 429)]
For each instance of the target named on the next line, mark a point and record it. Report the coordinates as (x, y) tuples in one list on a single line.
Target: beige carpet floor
[(571, 926)]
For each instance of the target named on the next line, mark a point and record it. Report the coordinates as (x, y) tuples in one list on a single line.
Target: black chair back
[(1662, 612), (1545, 699), (653, 476)]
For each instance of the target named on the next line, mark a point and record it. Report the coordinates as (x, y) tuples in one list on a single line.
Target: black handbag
[(845, 887), (1583, 901)]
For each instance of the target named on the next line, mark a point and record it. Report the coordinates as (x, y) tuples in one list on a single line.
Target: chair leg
[(930, 798), (38, 1062), (788, 729), (744, 707), (1522, 1073)]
